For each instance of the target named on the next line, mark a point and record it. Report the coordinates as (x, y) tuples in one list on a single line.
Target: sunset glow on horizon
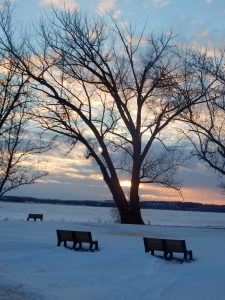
[(125, 183)]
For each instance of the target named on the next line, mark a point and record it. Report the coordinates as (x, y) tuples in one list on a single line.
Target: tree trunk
[(135, 211), (129, 213), (132, 217)]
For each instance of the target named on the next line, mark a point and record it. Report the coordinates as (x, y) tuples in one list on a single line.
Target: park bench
[(35, 217), (77, 237), (168, 247)]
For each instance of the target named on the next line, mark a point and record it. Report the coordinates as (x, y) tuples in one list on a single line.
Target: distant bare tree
[(115, 92)]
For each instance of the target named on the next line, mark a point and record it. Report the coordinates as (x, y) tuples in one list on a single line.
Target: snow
[(32, 267)]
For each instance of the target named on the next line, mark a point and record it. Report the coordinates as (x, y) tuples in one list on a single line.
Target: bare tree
[(116, 92), (15, 146), (206, 122)]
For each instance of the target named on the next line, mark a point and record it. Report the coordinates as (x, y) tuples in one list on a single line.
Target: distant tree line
[(166, 205), (127, 97)]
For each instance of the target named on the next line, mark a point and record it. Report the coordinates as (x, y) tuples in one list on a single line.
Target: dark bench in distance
[(76, 237), (167, 246), (35, 217)]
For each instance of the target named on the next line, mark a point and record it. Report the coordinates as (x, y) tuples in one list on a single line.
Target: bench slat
[(176, 245)]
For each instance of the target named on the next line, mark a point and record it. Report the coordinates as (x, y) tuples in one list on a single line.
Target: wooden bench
[(168, 247), (77, 237), (35, 217)]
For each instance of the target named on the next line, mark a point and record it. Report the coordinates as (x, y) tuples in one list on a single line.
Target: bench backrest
[(83, 236), (69, 235), (40, 216), (65, 235), (152, 244), (175, 245)]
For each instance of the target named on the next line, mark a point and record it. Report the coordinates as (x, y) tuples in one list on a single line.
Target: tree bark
[(131, 216)]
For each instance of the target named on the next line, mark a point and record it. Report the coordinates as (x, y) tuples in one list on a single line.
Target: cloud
[(105, 5), (197, 22), (161, 3), (117, 13), (204, 33), (207, 195), (208, 1), (61, 4)]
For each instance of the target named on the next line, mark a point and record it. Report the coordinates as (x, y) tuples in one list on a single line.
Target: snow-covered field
[(32, 267)]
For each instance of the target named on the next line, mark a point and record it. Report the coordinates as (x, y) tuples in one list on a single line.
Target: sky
[(200, 23)]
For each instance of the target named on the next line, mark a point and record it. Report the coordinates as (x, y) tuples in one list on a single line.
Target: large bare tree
[(116, 92)]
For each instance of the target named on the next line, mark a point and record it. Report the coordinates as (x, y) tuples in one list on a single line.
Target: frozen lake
[(87, 214)]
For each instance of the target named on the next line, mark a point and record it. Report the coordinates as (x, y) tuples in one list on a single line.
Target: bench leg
[(59, 243), (75, 244), (79, 245), (168, 253), (146, 245), (188, 253), (152, 252), (95, 243)]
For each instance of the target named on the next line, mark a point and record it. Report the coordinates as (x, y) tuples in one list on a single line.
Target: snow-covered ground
[(32, 267)]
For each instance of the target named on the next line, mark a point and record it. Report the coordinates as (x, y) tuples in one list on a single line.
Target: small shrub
[(115, 216)]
